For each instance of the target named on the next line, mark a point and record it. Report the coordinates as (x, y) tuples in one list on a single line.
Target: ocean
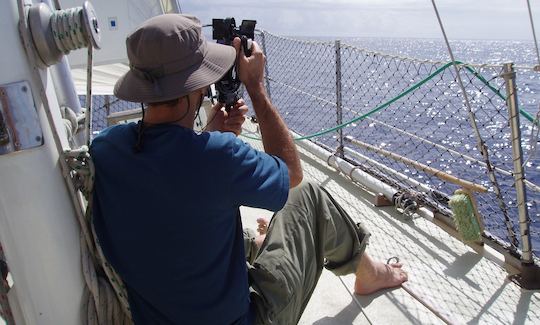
[(469, 51), (430, 124)]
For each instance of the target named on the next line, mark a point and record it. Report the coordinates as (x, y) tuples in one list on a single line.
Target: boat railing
[(414, 109), (362, 105)]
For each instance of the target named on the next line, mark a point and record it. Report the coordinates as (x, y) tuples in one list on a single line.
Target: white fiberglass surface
[(457, 283)]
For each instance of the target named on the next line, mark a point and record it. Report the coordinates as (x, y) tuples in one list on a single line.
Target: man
[(166, 198)]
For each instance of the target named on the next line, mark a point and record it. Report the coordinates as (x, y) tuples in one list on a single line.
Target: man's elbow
[(295, 178)]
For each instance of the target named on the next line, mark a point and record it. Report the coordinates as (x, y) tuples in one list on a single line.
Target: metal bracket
[(4, 134), (19, 123)]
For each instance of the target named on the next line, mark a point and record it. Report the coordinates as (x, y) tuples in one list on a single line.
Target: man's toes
[(396, 265), (403, 276)]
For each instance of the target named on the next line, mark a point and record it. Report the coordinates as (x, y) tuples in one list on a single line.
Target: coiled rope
[(68, 31), (105, 301), (69, 34), (106, 297)]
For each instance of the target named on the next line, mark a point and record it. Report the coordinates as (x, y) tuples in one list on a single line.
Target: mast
[(38, 232)]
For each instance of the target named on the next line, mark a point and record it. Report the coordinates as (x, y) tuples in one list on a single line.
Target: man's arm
[(275, 134)]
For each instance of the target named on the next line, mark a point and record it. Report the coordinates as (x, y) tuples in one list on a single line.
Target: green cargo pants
[(311, 232)]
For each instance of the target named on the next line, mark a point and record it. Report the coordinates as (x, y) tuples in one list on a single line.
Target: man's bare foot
[(262, 229), (373, 276)]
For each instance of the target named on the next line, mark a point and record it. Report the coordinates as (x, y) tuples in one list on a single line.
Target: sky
[(462, 19)]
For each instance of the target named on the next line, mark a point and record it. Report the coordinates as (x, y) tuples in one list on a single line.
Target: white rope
[(88, 112), (67, 28), (107, 299), (70, 122), (69, 34)]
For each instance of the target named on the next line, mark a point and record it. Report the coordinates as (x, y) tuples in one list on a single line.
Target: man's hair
[(170, 103)]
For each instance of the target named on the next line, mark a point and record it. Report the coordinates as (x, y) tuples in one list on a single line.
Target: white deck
[(454, 280)]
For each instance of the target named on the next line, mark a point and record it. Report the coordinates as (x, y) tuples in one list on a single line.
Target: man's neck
[(177, 114)]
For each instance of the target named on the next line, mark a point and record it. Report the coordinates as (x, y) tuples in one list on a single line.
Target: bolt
[(24, 89), (38, 138), (95, 25)]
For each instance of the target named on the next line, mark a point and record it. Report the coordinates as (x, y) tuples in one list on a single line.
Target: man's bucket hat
[(169, 58)]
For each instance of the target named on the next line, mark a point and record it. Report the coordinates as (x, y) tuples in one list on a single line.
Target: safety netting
[(414, 109), (330, 92)]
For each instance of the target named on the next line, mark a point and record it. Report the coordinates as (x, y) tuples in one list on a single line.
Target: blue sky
[(463, 19)]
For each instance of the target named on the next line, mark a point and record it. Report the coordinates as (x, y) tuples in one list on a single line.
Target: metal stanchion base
[(529, 278)]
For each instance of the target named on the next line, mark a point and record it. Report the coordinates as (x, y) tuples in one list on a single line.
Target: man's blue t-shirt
[(168, 221)]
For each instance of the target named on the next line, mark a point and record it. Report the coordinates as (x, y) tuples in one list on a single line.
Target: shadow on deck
[(457, 284)]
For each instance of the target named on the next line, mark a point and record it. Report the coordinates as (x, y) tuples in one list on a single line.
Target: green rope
[(406, 92), (526, 114)]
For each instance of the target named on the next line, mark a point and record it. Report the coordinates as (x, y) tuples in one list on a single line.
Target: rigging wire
[(481, 144), (534, 137), (534, 35)]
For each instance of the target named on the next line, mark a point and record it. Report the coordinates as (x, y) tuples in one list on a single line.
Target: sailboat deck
[(449, 282)]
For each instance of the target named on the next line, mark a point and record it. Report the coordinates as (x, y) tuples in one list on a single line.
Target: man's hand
[(250, 69), (220, 120)]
